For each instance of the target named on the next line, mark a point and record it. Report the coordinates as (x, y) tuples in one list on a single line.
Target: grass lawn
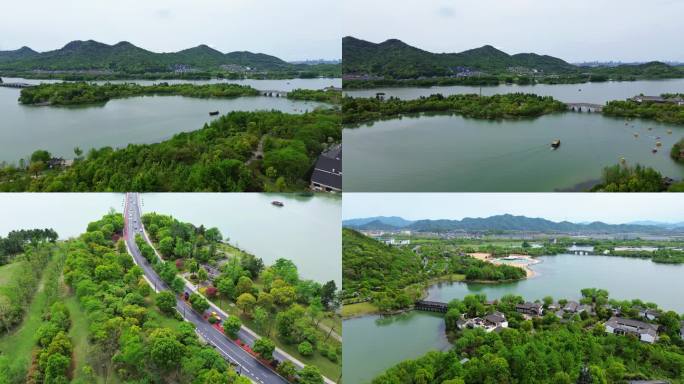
[(358, 309), (78, 335), (7, 270)]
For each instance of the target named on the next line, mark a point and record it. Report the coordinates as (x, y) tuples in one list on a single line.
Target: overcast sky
[(574, 207), (577, 30), (291, 30)]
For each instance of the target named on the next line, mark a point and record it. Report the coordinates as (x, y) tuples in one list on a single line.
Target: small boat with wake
[(555, 144), (277, 203)]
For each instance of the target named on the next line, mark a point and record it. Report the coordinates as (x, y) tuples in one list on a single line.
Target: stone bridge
[(585, 107)]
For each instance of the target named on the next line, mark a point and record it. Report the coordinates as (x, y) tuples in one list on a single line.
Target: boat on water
[(636, 134), (659, 144), (555, 144), (277, 203), (654, 150), (214, 113)]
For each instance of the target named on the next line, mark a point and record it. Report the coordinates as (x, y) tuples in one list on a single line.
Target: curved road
[(246, 364)]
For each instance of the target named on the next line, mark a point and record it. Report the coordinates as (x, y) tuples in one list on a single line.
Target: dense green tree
[(264, 347)]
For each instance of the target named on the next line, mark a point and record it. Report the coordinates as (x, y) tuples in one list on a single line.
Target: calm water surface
[(148, 119), (373, 344), (598, 93), (452, 153)]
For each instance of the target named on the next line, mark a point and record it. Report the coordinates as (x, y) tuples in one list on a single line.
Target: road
[(246, 364)]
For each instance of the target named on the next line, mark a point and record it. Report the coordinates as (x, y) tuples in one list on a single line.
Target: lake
[(596, 93), (139, 120), (452, 153), (307, 230), (563, 276), (372, 344)]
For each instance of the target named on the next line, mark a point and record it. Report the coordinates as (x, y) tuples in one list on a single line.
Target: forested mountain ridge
[(126, 57), (396, 59), (503, 223)]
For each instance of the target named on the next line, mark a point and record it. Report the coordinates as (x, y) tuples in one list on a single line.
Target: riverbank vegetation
[(670, 113), (273, 300), (222, 156), (393, 278), (677, 152), (570, 348), (637, 178), (505, 106), (330, 96)]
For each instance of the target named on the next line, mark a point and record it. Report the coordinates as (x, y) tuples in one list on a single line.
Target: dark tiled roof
[(632, 325), (496, 317), (328, 169), (326, 179)]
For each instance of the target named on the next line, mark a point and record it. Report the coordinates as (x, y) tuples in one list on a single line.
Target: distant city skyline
[(577, 31), (576, 208), (291, 30)]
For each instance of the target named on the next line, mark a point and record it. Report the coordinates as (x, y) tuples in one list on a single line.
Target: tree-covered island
[(504, 106), (82, 93)]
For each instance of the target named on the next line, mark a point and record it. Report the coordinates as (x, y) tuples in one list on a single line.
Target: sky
[(578, 30), (291, 30), (67, 213), (575, 207)]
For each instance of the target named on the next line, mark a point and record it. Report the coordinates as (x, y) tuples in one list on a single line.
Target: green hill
[(371, 265), (127, 58), (21, 53), (396, 59)]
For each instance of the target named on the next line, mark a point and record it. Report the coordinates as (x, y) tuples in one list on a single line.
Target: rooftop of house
[(528, 305), (632, 325), (328, 169), (496, 317)]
